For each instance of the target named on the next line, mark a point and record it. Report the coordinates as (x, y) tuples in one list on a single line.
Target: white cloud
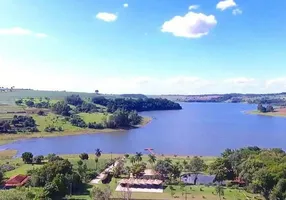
[(276, 81), (241, 81), (192, 25), (108, 17), (125, 5), (237, 11), (225, 4), (194, 7), (18, 31)]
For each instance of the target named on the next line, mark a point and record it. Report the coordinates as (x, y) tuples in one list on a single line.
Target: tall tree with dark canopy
[(27, 157), (196, 166)]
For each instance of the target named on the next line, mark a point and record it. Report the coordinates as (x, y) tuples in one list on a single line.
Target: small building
[(16, 181), (141, 183)]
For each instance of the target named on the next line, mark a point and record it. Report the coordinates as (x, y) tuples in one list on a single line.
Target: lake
[(199, 129)]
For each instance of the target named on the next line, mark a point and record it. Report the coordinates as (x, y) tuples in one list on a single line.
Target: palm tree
[(138, 156), (152, 159), (132, 159), (98, 153), (185, 165)]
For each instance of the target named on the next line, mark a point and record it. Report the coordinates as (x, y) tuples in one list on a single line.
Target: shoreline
[(10, 138), (269, 114)]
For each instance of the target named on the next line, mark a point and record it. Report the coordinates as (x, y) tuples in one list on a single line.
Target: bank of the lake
[(9, 138), (269, 114)]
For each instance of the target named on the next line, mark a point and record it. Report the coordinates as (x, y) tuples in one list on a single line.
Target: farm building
[(16, 181)]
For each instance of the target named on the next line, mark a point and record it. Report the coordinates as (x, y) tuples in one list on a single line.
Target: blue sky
[(153, 47)]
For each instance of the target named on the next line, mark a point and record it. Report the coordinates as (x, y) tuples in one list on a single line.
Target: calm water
[(198, 129)]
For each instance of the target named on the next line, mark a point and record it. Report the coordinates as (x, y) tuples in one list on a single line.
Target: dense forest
[(260, 170), (18, 124), (138, 105)]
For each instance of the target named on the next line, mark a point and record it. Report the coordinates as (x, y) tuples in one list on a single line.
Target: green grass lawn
[(193, 192), (53, 120), (93, 117), (207, 159), (22, 168)]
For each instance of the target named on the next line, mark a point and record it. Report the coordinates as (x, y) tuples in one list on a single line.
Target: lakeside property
[(96, 163)]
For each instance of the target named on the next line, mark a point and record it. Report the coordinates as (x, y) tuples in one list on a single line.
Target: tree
[(264, 182), (100, 194), (61, 108), (219, 190), (27, 157), (152, 159), (74, 100), (38, 159), (134, 118), (261, 108), (1, 177), (126, 156), (96, 91), (222, 169), (137, 169), (279, 191), (269, 108), (164, 168), (51, 191), (83, 156), (98, 153), (132, 159), (176, 171), (196, 166), (138, 156)]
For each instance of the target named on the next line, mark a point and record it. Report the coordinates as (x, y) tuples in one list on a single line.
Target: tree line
[(264, 109), (18, 123), (139, 105)]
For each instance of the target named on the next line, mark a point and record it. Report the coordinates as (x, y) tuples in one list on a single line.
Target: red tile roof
[(18, 180)]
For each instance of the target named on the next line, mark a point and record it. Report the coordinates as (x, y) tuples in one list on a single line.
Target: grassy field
[(10, 97), (193, 192), (54, 120), (93, 117), (22, 168)]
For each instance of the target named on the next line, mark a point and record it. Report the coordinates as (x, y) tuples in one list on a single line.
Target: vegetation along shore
[(245, 173), (32, 117), (276, 111)]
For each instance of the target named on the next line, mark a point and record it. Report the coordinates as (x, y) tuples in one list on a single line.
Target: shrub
[(83, 156), (38, 159), (41, 113), (6, 168)]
